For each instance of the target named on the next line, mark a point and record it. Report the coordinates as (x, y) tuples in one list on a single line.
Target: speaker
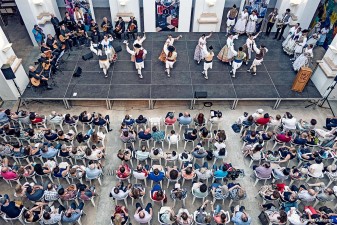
[(78, 72), (6, 69), (118, 48), (200, 94), (87, 56)]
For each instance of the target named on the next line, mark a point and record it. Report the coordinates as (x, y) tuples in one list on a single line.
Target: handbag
[(264, 218)]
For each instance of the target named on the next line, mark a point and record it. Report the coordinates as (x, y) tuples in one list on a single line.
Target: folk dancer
[(104, 64), (304, 58), (282, 23), (132, 28), (239, 56), (138, 54), (170, 40), (140, 39), (271, 21), (106, 26), (260, 53), (240, 26), (300, 43), (226, 53), (248, 47), (231, 16), (171, 57), (208, 63), (289, 46), (119, 28), (251, 25), (109, 51), (293, 30), (199, 49)]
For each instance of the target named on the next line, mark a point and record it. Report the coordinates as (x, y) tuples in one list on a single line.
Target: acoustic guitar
[(35, 82), (66, 37)]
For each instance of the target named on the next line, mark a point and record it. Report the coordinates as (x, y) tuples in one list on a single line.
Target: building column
[(303, 9), (326, 70), (125, 9), (38, 12), (8, 91), (208, 15)]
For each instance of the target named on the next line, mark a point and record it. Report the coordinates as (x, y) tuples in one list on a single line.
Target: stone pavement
[(104, 205)]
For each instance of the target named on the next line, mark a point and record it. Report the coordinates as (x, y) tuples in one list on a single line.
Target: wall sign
[(167, 15)]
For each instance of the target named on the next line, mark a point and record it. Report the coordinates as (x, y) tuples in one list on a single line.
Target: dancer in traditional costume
[(239, 56), (171, 57), (201, 47), (208, 64), (300, 43), (248, 47), (240, 26), (170, 40), (304, 58), (260, 53), (251, 25), (139, 54), (289, 46), (231, 16), (226, 54)]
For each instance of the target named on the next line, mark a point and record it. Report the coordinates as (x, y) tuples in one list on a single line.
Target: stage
[(273, 81)]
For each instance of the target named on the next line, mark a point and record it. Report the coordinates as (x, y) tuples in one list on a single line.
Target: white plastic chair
[(259, 178), (173, 143), (16, 218), (194, 197), (97, 178)]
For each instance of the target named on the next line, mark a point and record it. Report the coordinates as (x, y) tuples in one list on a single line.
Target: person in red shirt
[(123, 171), (157, 193), (263, 120), (170, 119), (284, 137), (35, 119)]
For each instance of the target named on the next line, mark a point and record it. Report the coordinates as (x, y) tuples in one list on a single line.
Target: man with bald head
[(185, 119), (37, 75), (143, 215)]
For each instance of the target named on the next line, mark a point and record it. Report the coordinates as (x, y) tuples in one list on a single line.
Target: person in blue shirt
[(50, 136), (34, 193), (221, 172), (185, 119), (48, 151), (157, 135), (73, 213), (128, 120), (156, 175), (38, 34), (145, 135), (100, 121), (240, 217)]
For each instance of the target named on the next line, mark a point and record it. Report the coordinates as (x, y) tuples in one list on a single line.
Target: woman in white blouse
[(251, 25), (199, 52), (240, 26)]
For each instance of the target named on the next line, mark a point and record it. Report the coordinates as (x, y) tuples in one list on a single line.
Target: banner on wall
[(167, 15), (79, 10)]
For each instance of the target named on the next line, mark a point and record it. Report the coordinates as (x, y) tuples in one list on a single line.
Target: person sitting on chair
[(36, 79)]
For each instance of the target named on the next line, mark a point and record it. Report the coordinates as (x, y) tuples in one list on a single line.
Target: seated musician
[(119, 28), (48, 63), (80, 33), (93, 26), (106, 26), (37, 79), (132, 28), (54, 45), (48, 51), (69, 22), (65, 37)]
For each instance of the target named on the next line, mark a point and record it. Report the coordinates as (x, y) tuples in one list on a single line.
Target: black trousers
[(269, 27), (280, 31)]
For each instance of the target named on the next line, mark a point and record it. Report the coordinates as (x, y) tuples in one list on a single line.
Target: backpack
[(209, 155), (79, 137), (236, 128)]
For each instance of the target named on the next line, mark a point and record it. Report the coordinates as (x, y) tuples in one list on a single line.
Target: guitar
[(35, 82), (66, 37)]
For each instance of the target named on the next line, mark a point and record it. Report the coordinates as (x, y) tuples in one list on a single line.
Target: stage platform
[(273, 81)]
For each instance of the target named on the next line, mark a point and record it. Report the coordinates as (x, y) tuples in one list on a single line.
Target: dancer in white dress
[(304, 58), (300, 43), (251, 25), (169, 41), (289, 47), (226, 54), (240, 26), (199, 52), (291, 31), (231, 16)]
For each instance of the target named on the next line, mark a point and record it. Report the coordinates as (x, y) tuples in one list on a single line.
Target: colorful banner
[(167, 15)]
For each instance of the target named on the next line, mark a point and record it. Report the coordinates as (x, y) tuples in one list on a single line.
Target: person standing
[(170, 40), (271, 21), (292, 31), (199, 49), (106, 26), (208, 64), (171, 57), (248, 47), (139, 55), (282, 24), (132, 28), (322, 38), (226, 53), (38, 34), (231, 16), (289, 46), (56, 24), (240, 26), (299, 44), (304, 58), (251, 25), (239, 56), (260, 53)]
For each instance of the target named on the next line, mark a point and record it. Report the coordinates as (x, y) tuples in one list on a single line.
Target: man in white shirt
[(203, 172), (120, 192), (219, 144), (55, 118), (316, 169), (143, 215), (289, 122)]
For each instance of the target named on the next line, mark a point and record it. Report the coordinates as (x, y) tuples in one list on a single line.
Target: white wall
[(8, 90), (30, 11), (131, 6), (202, 7), (149, 16), (185, 15)]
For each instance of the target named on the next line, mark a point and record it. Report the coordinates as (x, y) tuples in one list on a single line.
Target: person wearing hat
[(171, 57), (226, 53), (138, 55), (38, 34), (119, 28), (260, 53), (239, 56), (231, 16), (299, 44), (199, 52), (208, 64), (132, 28)]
